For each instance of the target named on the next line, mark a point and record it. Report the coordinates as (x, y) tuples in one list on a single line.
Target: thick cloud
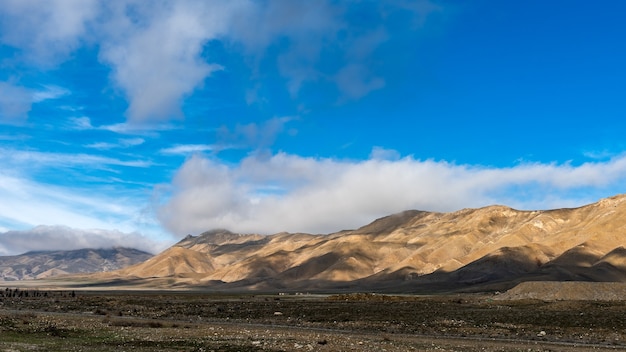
[(155, 50), (292, 193), (66, 238)]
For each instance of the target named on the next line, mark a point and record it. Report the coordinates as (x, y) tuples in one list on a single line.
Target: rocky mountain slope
[(46, 264), (484, 248)]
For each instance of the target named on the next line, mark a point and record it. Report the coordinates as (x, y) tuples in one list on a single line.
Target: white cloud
[(156, 54), (49, 92), (131, 142), (154, 48), (80, 123), (15, 102), (380, 153), (65, 238), (46, 31), (291, 193), (121, 143), (143, 129), (355, 81)]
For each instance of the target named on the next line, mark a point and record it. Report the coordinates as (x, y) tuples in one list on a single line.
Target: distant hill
[(46, 264), (490, 248)]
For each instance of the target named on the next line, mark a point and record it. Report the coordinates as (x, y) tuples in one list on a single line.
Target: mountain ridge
[(409, 251), (47, 264)]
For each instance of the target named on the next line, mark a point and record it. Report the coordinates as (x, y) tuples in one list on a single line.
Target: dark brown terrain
[(134, 321)]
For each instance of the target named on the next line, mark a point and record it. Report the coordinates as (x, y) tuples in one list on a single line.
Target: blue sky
[(136, 123)]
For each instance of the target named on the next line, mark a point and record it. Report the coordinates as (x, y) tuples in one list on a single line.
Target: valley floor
[(148, 321)]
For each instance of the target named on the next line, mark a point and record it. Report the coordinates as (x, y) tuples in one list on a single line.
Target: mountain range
[(46, 264), (490, 248)]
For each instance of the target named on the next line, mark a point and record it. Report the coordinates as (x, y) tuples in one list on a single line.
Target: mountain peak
[(217, 237), (390, 222)]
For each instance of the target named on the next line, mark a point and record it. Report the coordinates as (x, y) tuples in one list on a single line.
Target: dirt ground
[(150, 321)]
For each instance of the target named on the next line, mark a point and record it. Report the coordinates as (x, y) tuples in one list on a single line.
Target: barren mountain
[(490, 247), (45, 264)]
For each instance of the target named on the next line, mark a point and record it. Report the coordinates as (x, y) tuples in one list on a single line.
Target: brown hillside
[(411, 250)]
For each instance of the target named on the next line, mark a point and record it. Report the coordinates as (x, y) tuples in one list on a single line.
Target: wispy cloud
[(14, 137), (253, 135), (186, 149), (83, 123), (80, 123), (17, 101), (31, 203), (121, 143), (600, 154), (48, 93), (380, 153), (148, 129), (66, 160), (324, 195)]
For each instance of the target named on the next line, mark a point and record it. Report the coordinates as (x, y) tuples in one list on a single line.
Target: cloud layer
[(291, 193), (43, 238)]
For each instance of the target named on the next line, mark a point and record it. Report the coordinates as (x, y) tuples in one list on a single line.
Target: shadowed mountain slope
[(409, 251), (46, 264)]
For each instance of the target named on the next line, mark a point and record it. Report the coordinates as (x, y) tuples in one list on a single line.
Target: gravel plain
[(151, 321)]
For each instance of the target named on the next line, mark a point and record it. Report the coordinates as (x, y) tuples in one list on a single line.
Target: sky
[(134, 123)]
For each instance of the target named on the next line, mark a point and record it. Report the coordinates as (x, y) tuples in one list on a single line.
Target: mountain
[(45, 264), (470, 249)]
